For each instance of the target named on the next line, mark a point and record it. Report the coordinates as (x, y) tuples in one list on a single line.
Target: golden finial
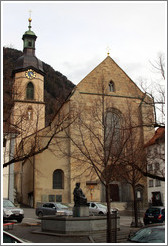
[(29, 20), (108, 50)]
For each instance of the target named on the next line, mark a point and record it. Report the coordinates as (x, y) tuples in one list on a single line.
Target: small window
[(58, 198), (30, 91), (58, 179), (150, 168), (157, 166), (151, 183), (29, 43), (111, 86), (51, 198), (157, 183), (4, 142)]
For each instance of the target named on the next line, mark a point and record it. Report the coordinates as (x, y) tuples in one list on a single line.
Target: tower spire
[(30, 20), (29, 38)]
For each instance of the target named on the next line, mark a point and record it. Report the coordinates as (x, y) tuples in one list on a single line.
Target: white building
[(8, 153), (155, 149)]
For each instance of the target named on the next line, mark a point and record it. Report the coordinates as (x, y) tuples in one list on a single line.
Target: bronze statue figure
[(79, 197)]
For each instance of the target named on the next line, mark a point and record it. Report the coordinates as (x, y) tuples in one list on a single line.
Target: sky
[(74, 37)]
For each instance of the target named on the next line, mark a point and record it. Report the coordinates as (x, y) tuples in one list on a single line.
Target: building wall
[(8, 172), (126, 98), (6, 150), (44, 166), (156, 154)]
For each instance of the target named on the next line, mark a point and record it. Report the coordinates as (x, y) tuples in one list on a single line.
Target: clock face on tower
[(30, 74)]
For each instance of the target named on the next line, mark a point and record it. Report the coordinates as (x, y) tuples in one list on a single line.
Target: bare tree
[(156, 89), (28, 142), (104, 142)]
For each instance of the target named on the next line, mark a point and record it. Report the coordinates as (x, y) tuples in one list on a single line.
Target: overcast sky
[(73, 36)]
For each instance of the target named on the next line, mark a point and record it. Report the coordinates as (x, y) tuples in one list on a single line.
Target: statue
[(79, 197)]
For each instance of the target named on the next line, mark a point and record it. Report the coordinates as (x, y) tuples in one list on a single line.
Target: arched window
[(112, 131), (30, 91), (58, 179), (111, 86)]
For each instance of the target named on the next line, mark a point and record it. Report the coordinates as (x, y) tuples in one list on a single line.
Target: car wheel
[(40, 214), (19, 220), (101, 213)]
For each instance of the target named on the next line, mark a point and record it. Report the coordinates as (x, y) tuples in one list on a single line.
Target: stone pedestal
[(78, 225), (82, 211)]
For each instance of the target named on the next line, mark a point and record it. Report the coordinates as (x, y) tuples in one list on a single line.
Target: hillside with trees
[(56, 86)]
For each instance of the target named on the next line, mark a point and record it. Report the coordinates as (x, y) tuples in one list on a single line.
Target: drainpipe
[(34, 205), (11, 171)]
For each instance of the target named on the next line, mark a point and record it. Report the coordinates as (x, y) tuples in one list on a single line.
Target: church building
[(98, 113)]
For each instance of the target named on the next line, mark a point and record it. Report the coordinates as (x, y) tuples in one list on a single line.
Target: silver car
[(53, 208), (11, 212), (96, 208)]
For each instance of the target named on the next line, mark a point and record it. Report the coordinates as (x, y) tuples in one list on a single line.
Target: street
[(30, 217), (30, 229)]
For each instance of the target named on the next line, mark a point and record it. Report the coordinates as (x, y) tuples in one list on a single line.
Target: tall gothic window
[(58, 179), (111, 86), (30, 91), (112, 131)]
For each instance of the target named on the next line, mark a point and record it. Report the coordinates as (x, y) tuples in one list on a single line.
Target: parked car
[(154, 215), (9, 238), (96, 208), (11, 212), (149, 234), (53, 208)]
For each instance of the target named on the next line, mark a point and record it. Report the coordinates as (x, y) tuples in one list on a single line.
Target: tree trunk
[(108, 232), (135, 207)]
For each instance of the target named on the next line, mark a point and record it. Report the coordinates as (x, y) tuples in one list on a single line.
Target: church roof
[(27, 61), (159, 134)]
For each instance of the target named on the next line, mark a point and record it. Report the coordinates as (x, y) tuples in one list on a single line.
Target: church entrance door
[(114, 192)]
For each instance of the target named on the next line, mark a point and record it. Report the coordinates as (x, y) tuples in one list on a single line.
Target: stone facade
[(28, 115), (37, 174)]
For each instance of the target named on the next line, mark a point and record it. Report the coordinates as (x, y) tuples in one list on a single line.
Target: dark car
[(53, 208), (154, 215), (150, 234), (9, 238), (11, 212)]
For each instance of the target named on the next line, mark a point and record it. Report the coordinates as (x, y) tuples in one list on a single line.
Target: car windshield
[(101, 205), (7, 203), (149, 235), (61, 206)]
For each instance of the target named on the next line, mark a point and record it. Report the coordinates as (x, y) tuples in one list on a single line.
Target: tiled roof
[(159, 134)]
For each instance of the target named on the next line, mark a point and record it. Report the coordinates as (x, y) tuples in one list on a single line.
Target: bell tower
[(28, 89)]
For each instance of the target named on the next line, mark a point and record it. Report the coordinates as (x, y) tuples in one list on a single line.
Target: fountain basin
[(78, 225)]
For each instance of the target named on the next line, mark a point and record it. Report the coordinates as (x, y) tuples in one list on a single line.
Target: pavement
[(30, 229)]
